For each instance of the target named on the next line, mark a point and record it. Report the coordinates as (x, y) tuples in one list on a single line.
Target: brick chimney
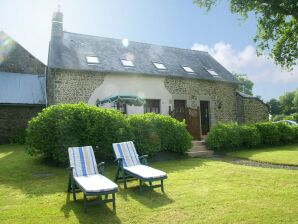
[(57, 24)]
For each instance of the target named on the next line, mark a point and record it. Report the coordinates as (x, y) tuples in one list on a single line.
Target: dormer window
[(159, 66), (212, 72), (127, 63), (92, 59), (188, 69)]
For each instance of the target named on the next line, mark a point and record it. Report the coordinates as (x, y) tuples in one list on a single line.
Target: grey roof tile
[(71, 52), (18, 88)]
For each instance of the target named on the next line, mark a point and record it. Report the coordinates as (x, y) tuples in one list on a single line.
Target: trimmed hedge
[(58, 127), (232, 136), (155, 132)]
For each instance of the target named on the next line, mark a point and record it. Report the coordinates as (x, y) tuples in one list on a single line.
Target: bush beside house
[(231, 136), (60, 126)]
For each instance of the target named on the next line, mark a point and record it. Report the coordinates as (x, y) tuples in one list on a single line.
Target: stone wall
[(251, 109), (14, 119), (66, 86), (222, 96)]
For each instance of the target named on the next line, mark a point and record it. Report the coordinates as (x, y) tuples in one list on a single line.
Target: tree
[(275, 107), (245, 85), (277, 26), (295, 100), (286, 103)]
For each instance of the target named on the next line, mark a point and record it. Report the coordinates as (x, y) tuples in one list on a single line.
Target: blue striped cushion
[(128, 153), (82, 159)]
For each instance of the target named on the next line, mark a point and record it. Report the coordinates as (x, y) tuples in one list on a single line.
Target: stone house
[(85, 68), (22, 87), (186, 84)]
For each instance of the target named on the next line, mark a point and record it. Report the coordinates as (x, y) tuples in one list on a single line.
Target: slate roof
[(16, 88), (70, 53)]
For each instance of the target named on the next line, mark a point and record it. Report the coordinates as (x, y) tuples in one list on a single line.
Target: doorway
[(205, 116)]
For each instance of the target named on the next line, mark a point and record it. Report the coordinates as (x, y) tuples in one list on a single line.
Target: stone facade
[(14, 119), (221, 96), (251, 109), (66, 86)]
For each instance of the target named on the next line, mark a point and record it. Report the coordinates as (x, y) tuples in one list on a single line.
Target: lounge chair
[(87, 176), (133, 166)]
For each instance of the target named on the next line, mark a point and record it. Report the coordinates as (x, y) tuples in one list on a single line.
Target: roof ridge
[(186, 49)]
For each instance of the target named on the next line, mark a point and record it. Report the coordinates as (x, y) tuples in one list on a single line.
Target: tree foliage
[(245, 85), (286, 104), (277, 26)]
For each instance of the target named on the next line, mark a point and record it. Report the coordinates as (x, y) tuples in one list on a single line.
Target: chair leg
[(162, 188), (141, 186), (69, 184), (117, 175), (114, 202), (73, 188), (124, 179), (85, 203)]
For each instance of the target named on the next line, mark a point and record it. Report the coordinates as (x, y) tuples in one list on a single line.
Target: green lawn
[(197, 191), (287, 155)]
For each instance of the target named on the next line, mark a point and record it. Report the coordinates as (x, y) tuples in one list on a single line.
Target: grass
[(286, 155), (197, 191)]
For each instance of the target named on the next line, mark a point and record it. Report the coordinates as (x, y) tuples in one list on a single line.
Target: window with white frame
[(92, 59), (188, 69), (212, 72), (159, 66), (127, 63)]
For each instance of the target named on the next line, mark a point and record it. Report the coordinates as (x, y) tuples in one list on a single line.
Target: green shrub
[(269, 132), (250, 136), (155, 132), (224, 137), (295, 133), (146, 139), (60, 126), (286, 131)]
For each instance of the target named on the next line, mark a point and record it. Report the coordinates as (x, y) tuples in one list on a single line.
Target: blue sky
[(168, 22)]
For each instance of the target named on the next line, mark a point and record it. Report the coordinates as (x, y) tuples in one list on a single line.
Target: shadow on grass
[(149, 197), (35, 177), (101, 213)]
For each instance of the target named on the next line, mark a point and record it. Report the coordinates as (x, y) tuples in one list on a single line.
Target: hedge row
[(58, 127), (232, 136)]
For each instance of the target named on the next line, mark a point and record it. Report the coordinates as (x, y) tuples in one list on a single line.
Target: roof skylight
[(127, 63), (188, 69), (159, 66), (92, 59), (212, 72)]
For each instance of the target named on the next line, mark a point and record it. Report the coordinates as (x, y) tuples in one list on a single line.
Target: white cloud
[(258, 69)]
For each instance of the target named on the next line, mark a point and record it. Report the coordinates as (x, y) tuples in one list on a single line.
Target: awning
[(127, 99)]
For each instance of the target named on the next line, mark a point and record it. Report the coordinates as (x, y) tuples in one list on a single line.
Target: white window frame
[(213, 73), (159, 65), (92, 59), (127, 63), (188, 69)]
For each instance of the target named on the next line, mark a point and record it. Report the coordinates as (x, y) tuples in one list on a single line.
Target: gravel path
[(247, 162)]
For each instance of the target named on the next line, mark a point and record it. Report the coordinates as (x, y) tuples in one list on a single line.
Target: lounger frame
[(73, 187), (127, 175)]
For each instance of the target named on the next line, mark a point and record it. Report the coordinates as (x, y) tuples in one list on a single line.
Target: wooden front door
[(205, 117), (193, 123), (191, 117)]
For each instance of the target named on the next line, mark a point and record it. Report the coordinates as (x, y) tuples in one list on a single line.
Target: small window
[(152, 106), (188, 69), (159, 66), (213, 73), (120, 106), (92, 59), (127, 63)]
